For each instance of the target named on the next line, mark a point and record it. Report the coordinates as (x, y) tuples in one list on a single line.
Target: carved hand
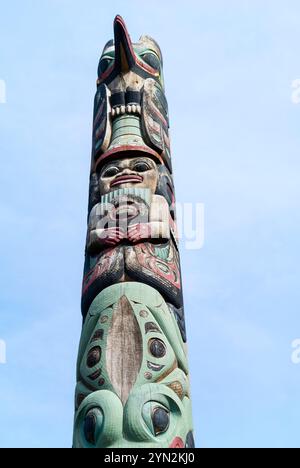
[(138, 232), (112, 236)]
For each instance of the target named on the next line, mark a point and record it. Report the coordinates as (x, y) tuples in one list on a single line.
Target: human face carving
[(139, 172)]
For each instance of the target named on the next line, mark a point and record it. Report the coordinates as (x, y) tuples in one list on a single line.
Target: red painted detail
[(169, 270), (177, 443), (101, 267), (133, 179), (99, 133), (147, 68), (124, 149), (99, 113), (106, 74), (158, 113), (119, 20)]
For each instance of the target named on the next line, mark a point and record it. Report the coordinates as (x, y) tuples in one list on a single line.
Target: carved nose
[(128, 171), (125, 58)]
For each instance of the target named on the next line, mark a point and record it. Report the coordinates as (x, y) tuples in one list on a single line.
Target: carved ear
[(109, 44), (145, 38), (148, 39)]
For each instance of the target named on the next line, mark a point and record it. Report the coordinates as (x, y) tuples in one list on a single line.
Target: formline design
[(132, 372)]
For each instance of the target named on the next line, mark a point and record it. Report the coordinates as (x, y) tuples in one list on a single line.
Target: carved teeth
[(129, 109)]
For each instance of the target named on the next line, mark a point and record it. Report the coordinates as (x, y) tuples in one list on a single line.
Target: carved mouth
[(154, 367), (122, 110), (130, 179)]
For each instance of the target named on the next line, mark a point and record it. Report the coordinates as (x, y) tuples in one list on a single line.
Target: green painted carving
[(106, 423), (162, 359), (132, 372)]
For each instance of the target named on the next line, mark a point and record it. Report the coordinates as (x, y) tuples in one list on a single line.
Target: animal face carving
[(131, 111), (134, 62), (154, 416)]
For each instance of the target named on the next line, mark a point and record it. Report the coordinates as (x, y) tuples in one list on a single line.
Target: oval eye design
[(103, 65), (141, 166), (157, 417), (94, 356), (160, 420), (152, 60), (92, 423), (157, 348), (110, 172)]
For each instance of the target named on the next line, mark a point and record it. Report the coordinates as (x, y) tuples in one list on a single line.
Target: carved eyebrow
[(110, 166), (108, 53), (149, 42), (149, 51), (149, 162)]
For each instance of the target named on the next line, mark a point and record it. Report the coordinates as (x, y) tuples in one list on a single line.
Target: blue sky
[(235, 133)]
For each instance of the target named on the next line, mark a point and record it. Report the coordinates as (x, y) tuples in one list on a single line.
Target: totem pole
[(132, 373)]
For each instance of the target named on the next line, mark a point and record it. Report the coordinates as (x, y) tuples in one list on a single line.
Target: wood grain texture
[(124, 351)]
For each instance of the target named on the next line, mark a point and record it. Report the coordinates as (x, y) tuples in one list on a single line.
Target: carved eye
[(141, 166), (156, 417), (160, 420), (110, 172), (94, 356), (104, 64), (157, 348), (92, 424), (152, 60)]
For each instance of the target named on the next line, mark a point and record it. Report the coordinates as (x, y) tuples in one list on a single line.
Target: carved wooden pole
[(132, 373)]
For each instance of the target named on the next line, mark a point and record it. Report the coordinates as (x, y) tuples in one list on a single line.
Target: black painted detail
[(160, 419), (190, 443), (179, 316), (95, 375), (117, 99), (151, 327), (89, 427), (133, 96), (93, 357), (154, 367), (157, 348), (152, 60), (98, 335), (103, 65)]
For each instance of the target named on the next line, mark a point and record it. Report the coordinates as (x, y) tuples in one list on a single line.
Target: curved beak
[(125, 57)]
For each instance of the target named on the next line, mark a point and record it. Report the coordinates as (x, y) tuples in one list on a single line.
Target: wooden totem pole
[(132, 372)]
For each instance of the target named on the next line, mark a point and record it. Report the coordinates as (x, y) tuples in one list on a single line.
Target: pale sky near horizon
[(229, 68)]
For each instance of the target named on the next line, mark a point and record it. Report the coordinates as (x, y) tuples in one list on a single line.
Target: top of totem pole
[(131, 111), (121, 55)]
